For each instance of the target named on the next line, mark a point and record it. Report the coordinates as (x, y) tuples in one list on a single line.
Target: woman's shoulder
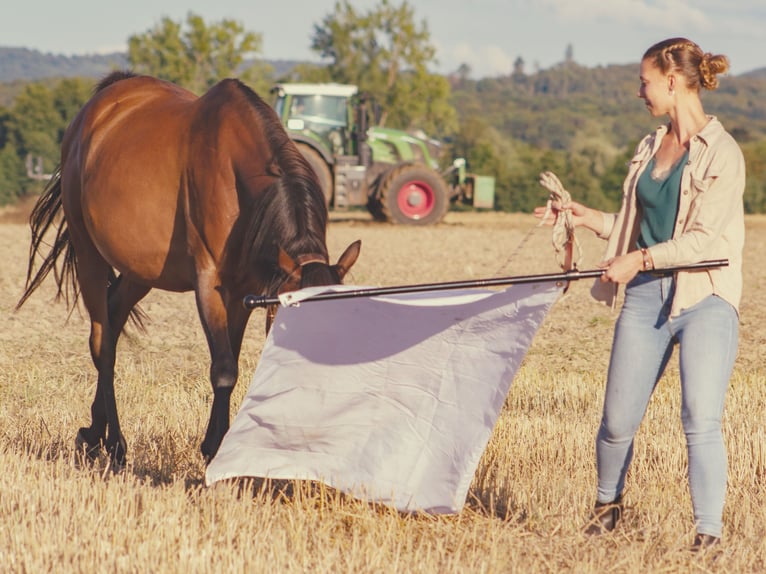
[(717, 148), (714, 133)]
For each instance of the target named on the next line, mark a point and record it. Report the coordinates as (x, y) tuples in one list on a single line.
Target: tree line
[(581, 123)]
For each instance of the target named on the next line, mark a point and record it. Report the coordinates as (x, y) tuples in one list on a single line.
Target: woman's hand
[(560, 202), (623, 268), (548, 214)]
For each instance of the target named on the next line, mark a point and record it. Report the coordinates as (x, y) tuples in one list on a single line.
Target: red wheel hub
[(415, 199)]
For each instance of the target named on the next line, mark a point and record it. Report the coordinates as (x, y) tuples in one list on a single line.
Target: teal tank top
[(658, 199)]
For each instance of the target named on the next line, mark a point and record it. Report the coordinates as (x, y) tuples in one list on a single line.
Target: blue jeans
[(707, 335)]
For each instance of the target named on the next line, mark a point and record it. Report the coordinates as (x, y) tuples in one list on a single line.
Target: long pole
[(254, 301)]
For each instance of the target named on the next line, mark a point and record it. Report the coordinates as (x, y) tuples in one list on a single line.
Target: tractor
[(394, 174)]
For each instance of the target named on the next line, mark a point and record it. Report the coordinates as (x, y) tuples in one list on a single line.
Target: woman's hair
[(688, 60)]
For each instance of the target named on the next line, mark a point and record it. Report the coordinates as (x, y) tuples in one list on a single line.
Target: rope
[(563, 235), (517, 250), (563, 227)]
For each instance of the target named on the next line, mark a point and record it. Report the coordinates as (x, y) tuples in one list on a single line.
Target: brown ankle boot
[(604, 517), (703, 542)]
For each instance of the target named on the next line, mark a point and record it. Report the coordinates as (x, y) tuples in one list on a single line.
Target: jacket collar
[(708, 134)]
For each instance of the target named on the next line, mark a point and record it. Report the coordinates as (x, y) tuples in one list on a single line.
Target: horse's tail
[(44, 216), (46, 213)]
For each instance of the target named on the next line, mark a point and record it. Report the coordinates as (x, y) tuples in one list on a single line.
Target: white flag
[(390, 399)]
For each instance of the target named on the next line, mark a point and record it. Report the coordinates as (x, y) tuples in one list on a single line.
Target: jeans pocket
[(640, 279)]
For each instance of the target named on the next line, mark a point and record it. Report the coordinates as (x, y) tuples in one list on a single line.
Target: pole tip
[(254, 301)]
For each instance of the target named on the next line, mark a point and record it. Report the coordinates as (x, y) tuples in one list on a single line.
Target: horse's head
[(312, 270)]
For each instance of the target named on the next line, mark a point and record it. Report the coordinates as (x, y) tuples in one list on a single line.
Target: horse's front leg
[(224, 369), (223, 378)]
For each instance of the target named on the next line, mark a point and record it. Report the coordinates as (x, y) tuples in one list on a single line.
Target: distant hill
[(23, 64), (760, 73)]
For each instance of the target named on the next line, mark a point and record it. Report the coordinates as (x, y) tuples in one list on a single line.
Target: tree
[(755, 188), (307, 72), (569, 54), (5, 127), (386, 53), (31, 132), (198, 55), (464, 72), (10, 165), (518, 68), (68, 97), (428, 106), (36, 125), (12, 176)]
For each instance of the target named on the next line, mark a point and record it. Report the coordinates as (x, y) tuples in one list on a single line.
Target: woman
[(682, 203)]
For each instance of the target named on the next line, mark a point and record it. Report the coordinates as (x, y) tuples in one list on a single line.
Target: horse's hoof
[(116, 465), (207, 453), (84, 447), (118, 455), (85, 454)]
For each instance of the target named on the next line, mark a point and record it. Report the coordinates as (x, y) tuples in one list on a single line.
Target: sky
[(488, 35)]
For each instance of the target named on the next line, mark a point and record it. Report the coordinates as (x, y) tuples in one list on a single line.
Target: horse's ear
[(349, 257)]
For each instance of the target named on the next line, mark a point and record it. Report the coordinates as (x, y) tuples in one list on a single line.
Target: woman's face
[(655, 89)]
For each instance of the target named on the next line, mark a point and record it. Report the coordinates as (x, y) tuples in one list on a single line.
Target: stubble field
[(530, 495)]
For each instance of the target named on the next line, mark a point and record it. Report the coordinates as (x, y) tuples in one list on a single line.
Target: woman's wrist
[(600, 223), (647, 263)]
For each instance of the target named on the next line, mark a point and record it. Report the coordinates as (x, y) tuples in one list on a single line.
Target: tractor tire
[(373, 201), (321, 168), (375, 209), (412, 194)]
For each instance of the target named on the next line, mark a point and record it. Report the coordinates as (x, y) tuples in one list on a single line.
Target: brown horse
[(164, 189)]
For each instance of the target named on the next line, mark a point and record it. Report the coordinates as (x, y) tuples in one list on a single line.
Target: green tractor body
[(396, 175)]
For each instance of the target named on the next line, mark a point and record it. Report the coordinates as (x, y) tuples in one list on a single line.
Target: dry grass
[(530, 495)]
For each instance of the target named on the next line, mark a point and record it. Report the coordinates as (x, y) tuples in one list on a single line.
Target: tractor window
[(279, 105), (327, 110)]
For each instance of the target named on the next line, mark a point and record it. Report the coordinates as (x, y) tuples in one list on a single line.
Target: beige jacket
[(710, 222)]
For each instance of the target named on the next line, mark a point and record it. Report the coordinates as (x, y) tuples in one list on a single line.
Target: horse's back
[(137, 105)]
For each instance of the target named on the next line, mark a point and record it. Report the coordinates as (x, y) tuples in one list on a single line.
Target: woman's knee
[(616, 430), (701, 429)]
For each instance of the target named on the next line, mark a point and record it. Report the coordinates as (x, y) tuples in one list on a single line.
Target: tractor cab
[(321, 112)]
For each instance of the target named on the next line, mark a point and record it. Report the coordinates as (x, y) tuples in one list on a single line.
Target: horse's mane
[(291, 213), (112, 78)]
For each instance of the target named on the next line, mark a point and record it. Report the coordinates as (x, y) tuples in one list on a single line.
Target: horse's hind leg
[(109, 310), (94, 279)]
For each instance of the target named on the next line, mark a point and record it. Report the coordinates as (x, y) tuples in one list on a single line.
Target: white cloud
[(496, 60), (462, 52), (484, 60), (112, 48)]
